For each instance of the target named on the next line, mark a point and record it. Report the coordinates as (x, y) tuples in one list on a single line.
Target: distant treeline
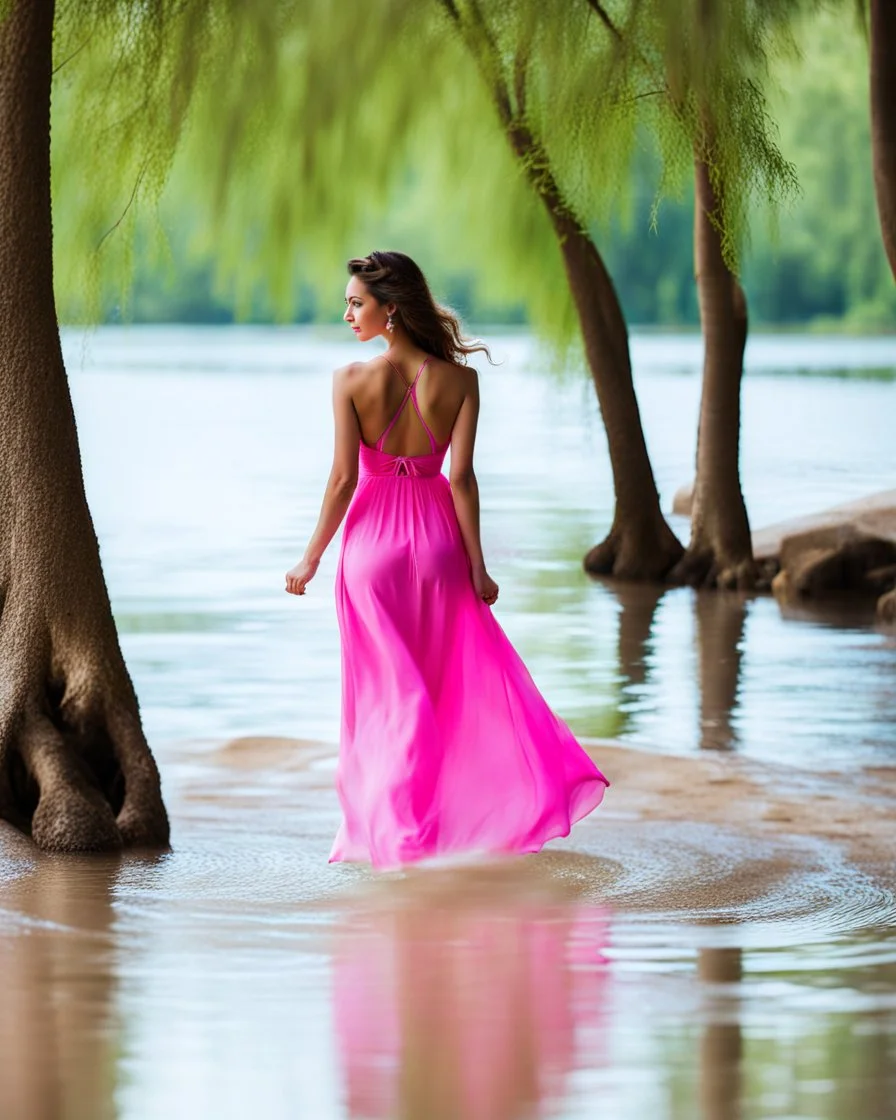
[(819, 264)]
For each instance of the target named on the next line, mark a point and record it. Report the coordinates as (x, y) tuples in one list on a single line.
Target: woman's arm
[(465, 489), (340, 485)]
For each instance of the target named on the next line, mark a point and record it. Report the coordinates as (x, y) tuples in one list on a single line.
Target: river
[(654, 964)]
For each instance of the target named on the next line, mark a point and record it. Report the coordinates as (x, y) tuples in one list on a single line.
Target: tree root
[(641, 554), (71, 814), (886, 607), (703, 567), (76, 774)]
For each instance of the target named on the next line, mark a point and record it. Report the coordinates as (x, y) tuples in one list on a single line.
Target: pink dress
[(446, 744)]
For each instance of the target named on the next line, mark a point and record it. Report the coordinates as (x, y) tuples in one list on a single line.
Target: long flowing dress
[(446, 744)]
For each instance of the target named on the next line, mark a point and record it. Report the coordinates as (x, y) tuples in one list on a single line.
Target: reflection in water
[(636, 618), (462, 994), (637, 611), (58, 1045), (720, 618), (721, 1048)]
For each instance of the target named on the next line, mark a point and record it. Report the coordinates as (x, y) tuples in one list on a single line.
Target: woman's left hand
[(298, 578)]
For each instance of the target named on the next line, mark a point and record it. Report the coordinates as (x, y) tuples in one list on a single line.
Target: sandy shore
[(854, 810), (711, 837), (705, 835)]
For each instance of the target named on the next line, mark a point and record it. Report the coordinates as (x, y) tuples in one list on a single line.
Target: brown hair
[(393, 277)]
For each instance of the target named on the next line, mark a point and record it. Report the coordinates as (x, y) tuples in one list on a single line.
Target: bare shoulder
[(356, 373), (347, 377), (465, 376)]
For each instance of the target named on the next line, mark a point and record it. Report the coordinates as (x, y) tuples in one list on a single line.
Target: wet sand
[(757, 803), (240, 971), (707, 835)]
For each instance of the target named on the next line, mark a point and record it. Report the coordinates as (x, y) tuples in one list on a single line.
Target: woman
[(446, 744)]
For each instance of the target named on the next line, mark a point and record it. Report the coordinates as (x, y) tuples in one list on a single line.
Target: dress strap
[(398, 373), (410, 393), (413, 393)]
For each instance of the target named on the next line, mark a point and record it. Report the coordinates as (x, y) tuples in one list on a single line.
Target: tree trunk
[(75, 769), (720, 552), (640, 544), (883, 119)]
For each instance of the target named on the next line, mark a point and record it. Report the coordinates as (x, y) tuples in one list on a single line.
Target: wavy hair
[(393, 277)]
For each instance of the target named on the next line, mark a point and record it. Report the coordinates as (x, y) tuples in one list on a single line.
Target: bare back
[(380, 394)]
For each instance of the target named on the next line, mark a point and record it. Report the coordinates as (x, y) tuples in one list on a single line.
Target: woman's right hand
[(486, 588), (300, 576)]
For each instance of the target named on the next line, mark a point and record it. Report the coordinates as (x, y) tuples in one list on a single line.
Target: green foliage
[(301, 140), (827, 259), (223, 158), (124, 78)]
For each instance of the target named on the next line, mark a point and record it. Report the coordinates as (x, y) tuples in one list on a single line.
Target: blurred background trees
[(274, 183)]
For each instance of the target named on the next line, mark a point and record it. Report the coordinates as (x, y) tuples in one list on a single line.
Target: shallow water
[(644, 967), (637, 969), (206, 451)]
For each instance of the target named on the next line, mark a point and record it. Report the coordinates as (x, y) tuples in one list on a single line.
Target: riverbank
[(701, 834)]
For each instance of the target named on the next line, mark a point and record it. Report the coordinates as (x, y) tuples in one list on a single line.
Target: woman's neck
[(400, 348)]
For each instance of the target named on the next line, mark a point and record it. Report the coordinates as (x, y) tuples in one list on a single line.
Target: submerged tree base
[(707, 567), (76, 773), (639, 553)]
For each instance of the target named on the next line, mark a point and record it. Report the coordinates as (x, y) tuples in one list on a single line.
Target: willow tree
[(524, 55), (883, 118), (76, 771), (573, 90), (715, 62), (75, 768), (696, 69)]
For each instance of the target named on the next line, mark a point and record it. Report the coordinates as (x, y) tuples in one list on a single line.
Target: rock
[(683, 501), (833, 559), (880, 580), (766, 570), (876, 514), (850, 548), (886, 607)]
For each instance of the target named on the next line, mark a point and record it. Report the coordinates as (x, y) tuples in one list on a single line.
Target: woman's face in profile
[(363, 313)]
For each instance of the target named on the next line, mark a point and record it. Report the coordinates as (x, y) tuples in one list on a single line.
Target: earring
[(389, 324)]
